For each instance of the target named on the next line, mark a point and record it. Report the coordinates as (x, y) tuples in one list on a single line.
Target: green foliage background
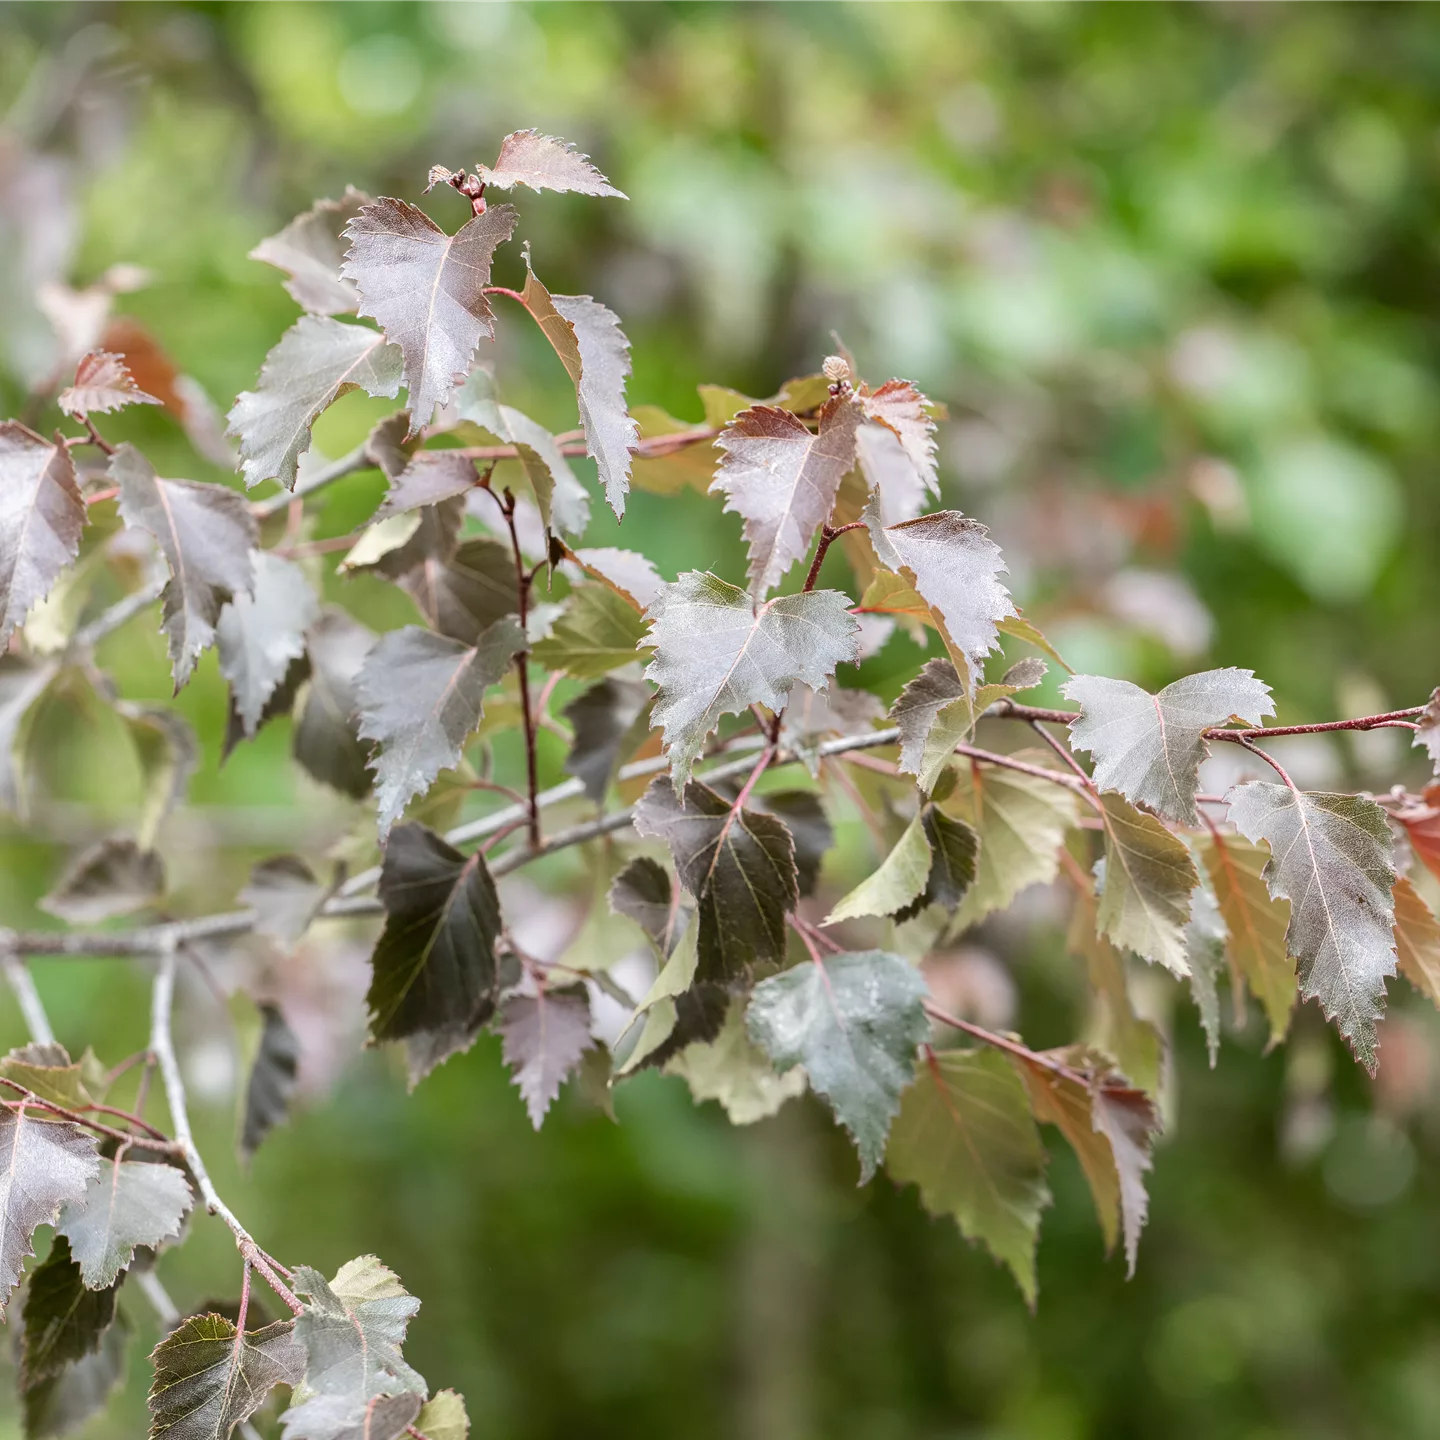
[(1173, 269)]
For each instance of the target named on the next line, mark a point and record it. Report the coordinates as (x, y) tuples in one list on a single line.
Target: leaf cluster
[(679, 703)]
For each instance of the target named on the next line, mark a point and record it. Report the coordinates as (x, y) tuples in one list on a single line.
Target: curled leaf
[(544, 163)]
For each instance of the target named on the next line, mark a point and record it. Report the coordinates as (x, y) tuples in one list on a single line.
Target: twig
[(27, 997), (1008, 709), (163, 1046), (828, 533), (1008, 762), (305, 549), (1003, 1042), (1271, 761), (358, 459), (166, 1311), (117, 615), (871, 762), (1363, 722), (653, 447), (29, 1097), (1063, 752)]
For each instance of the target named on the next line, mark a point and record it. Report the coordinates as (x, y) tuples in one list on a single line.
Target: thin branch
[(887, 768), (828, 534), (166, 1310), (1008, 762), (358, 459), (653, 447), (305, 549), (27, 997), (1063, 752), (1271, 761), (76, 1117), (118, 614), (351, 901), (1363, 722), (1005, 1043), (163, 1045), (168, 1313), (1009, 710)]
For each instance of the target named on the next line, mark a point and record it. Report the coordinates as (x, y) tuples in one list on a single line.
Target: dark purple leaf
[(273, 1080), (435, 976), (738, 864)]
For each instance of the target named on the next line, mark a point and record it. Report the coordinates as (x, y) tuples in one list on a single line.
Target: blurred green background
[(1174, 271)]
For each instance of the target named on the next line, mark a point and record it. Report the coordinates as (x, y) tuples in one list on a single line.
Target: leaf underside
[(853, 1023), (1332, 858)]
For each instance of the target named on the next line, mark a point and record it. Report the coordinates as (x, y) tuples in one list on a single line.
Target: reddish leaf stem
[(1011, 711), (514, 295), (828, 534), (546, 691), (154, 1140), (140, 1057), (244, 1309), (766, 756), (869, 762), (1003, 1042), (1272, 762), (1063, 752), (315, 547), (990, 757), (802, 930), (816, 935), (653, 447), (492, 841), (495, 788)]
